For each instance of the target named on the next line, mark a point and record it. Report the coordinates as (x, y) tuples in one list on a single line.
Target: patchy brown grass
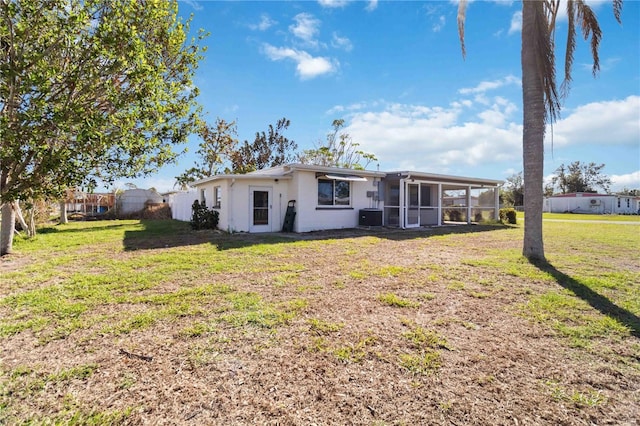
[(152, 323)]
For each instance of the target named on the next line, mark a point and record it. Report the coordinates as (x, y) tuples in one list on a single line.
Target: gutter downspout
[(230, 207), (468, 204), (496, 200), (439, 204), (402, 210)]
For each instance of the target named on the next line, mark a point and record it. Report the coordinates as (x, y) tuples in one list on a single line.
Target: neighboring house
[(335, 198), (135, 200), (89, 203), (582, 202)]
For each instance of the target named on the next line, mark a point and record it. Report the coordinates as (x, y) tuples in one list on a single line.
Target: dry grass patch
[(148, 322)]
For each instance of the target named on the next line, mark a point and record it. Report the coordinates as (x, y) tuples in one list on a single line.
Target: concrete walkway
[(613, 222)]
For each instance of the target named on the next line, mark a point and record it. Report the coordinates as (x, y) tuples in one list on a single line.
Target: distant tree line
[(575, 177)]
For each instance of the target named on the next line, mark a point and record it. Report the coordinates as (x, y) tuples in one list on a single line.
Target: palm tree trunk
[(533, 135)]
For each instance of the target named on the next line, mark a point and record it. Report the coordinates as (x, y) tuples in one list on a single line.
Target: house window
[(203, 198), (217, 197), (618, 202), (334, 192), (628, 202)]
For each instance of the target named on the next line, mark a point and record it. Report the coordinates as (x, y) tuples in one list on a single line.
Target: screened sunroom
[(414, 199)]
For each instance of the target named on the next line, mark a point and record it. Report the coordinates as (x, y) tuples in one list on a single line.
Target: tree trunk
[(63, 212), (533, 135), (18, 212), (32, 222), (7, 229)]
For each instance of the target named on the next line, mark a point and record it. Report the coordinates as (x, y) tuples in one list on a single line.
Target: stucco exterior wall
[(235, 211), (311, 217)]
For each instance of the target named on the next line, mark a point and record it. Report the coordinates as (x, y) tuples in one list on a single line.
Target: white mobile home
[(583, 202), (336, 198)]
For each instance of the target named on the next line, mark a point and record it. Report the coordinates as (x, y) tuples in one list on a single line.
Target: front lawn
[(131, 322)]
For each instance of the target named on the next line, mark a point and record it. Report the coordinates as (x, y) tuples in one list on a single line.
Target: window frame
[(217, 197), (334, 199)]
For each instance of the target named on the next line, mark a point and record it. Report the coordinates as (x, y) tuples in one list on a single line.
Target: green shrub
[(508, 215), (454, 215), (202, 217)]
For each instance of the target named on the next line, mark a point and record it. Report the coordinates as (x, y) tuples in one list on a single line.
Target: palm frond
[(590, 27), (545, 12), (617, 10), (570, 50), (462, 14)]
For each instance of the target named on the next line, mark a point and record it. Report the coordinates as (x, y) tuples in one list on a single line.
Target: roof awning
[(350, 178)]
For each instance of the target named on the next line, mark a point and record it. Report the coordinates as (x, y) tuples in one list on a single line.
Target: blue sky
[(394, 72)]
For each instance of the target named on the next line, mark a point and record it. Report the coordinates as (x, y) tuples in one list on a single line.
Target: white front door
[(260, 204), (413, 205)]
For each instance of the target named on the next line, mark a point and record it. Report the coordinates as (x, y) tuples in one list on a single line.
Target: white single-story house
[(336, 198), (583, 202)]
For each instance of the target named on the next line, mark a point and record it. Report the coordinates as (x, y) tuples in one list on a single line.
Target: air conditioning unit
[(594, 202)]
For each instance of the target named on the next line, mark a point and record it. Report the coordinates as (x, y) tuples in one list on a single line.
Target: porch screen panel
[(425, 195)]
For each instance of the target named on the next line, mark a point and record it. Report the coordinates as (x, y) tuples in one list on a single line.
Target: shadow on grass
[(596, 300), (62, 230), (157, 234), (166, 233)]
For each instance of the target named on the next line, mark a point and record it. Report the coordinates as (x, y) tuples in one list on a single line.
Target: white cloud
[(232, 108), (603, 123), (341, 42), (307, 66), (628, 181), (437, 138), (503, 2), (605, 65), (439, 25), (194, 4), (306, 28), (490, 85), (333, 3), (371, 6), (265, 23), (594, 4), (352, 107), (516, 23), (498, 113)]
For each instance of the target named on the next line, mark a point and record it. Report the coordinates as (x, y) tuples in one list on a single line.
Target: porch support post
[(496, 210), (439, 204), (402, 207), (468, 205)]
